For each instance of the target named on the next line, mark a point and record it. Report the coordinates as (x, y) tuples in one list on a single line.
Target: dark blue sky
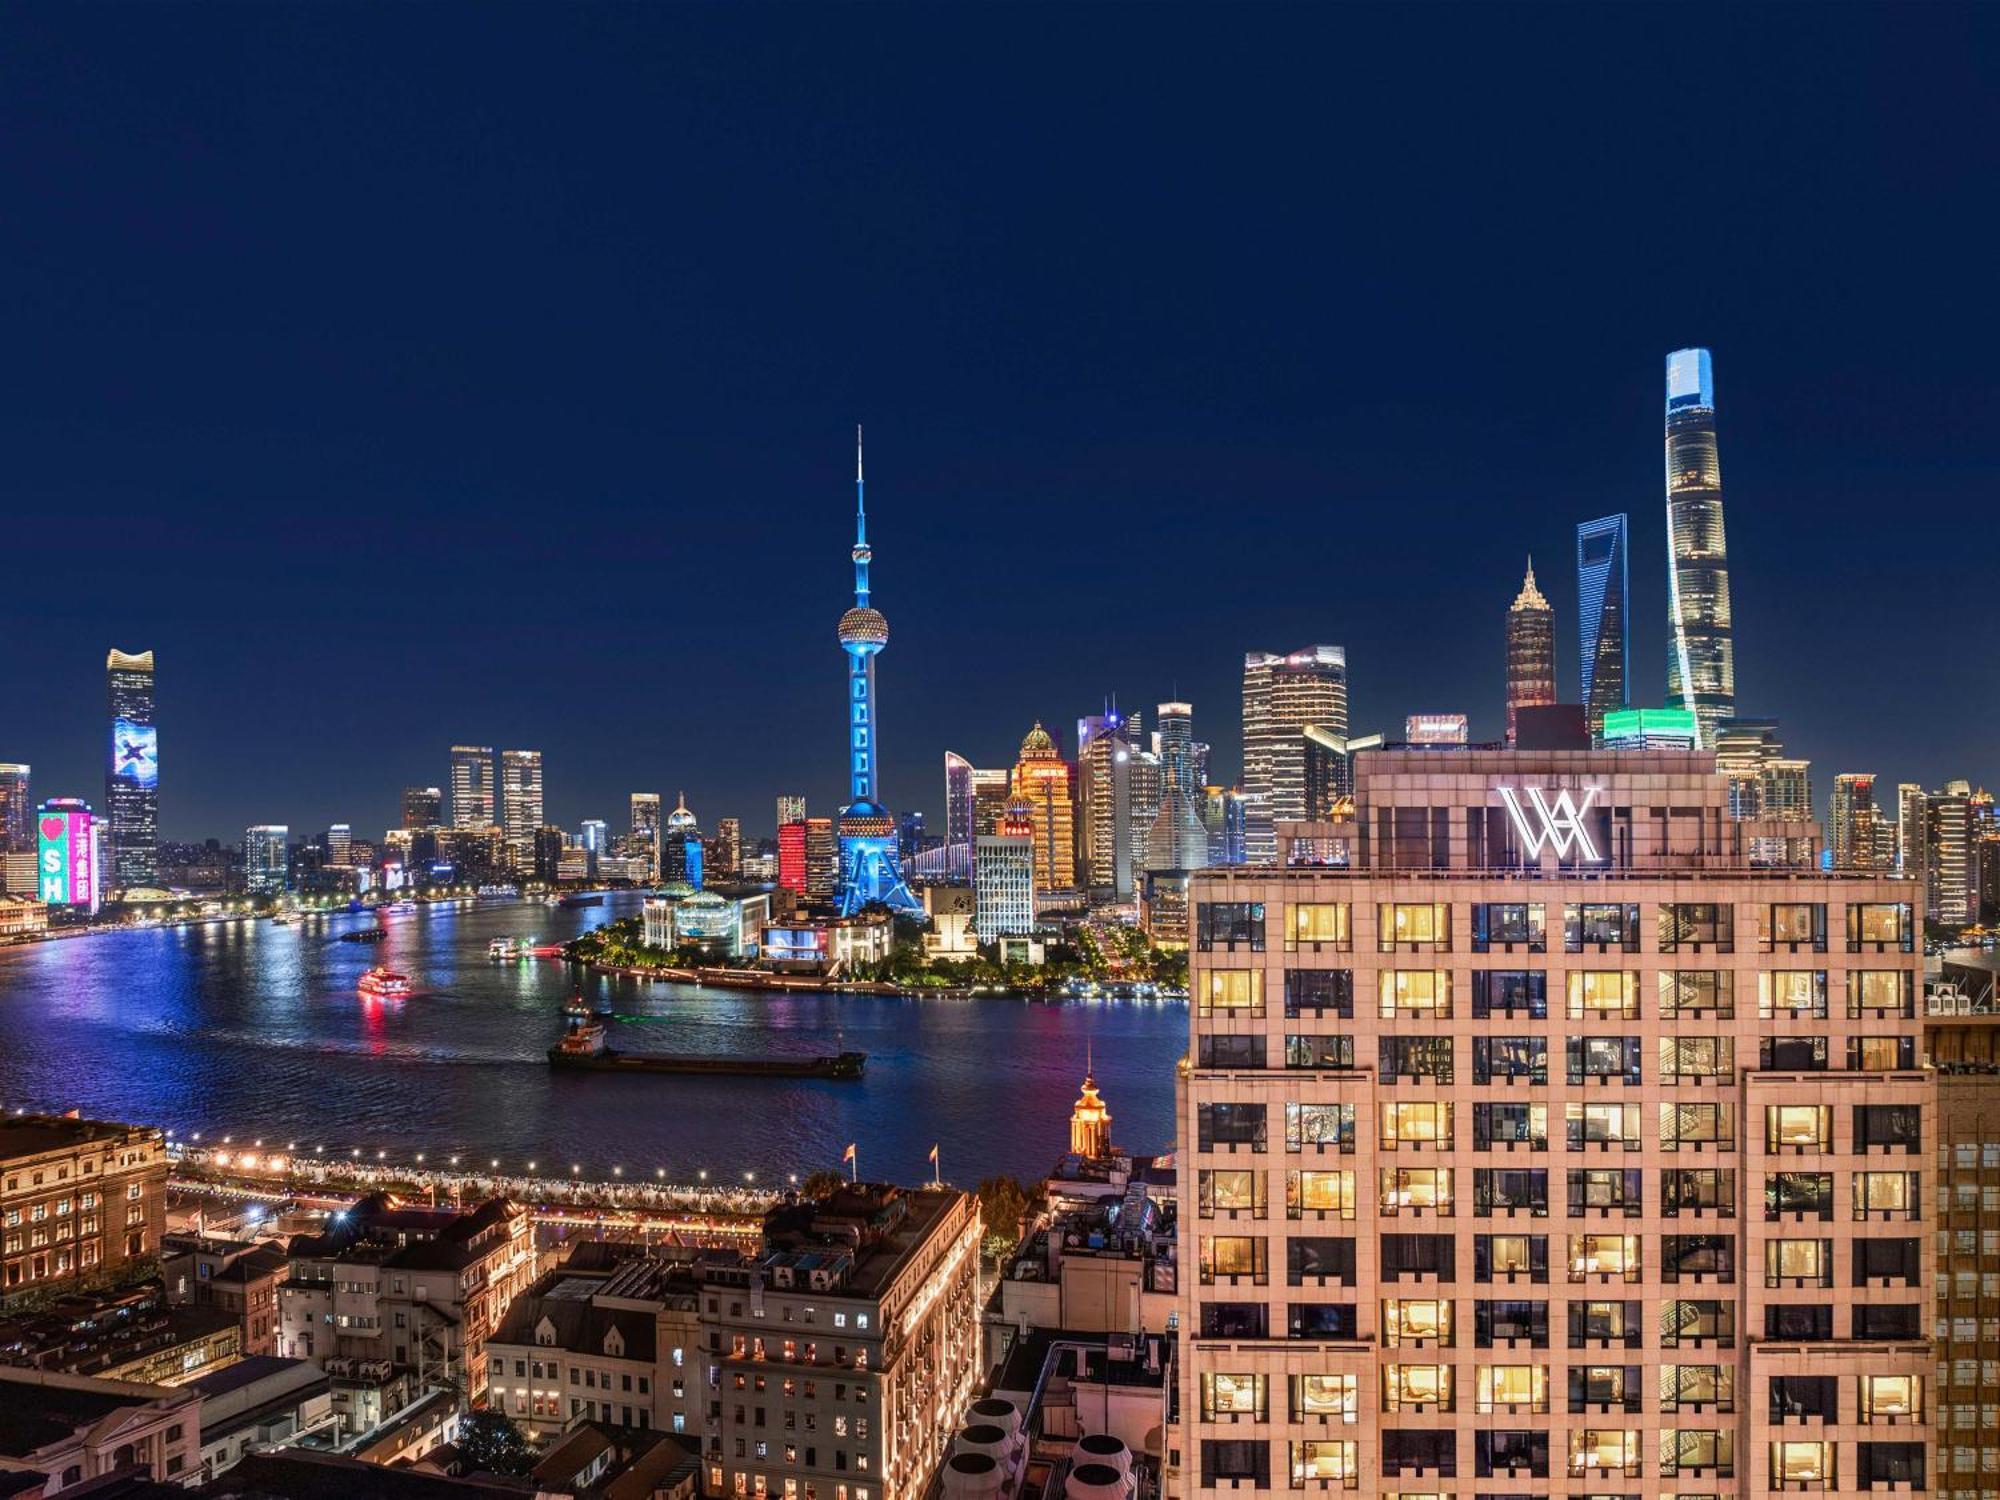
[(420, 374)]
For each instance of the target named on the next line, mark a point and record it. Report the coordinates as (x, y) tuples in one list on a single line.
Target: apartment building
[(1538, 1143), (79, 1199), (840, 1359)]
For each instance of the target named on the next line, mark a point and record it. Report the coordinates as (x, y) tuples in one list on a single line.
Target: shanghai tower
[(867, 831), (1701, 659)]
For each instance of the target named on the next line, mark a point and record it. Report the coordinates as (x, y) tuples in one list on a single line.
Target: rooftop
[(33, 1416), (297, 1474), (31, 1135)]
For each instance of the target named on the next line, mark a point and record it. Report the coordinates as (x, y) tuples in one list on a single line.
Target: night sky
[(405, 376)]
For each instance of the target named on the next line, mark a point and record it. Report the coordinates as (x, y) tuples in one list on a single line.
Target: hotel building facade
[(1549, 1146)]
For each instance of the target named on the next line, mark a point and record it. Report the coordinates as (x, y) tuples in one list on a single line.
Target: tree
[(822, 1184), (490, 1441), (1003, 1204)]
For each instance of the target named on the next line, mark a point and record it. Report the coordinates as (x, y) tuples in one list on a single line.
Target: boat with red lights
[(384, 984)]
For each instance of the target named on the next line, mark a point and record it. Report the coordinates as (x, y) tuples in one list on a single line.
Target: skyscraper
[(869, 872), (17, 813), (1004, 877), (1177, 839), (1106, 745), (1701, 653), (1950, 878), (132, 774), (521, 806), (1856, 821), (1281, 696), (791, 809), (959, 802), (472, 786), (728, 860), (423, 807), (1603, 625), (1531, 650), (1043, 780), (1910, 830), (266, 858)]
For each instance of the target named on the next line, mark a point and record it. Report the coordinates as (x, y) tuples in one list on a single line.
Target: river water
[(257, 1030)]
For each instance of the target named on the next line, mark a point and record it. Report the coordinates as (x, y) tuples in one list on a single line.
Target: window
[(1697, 927), (1604, 1325), (1510, 1190), (1423, 993), (1697, 1323), (1417, 1126), (1419, 1255), (1696, 1059), (1420, 1450), (1234, 1320), (1879, 927), (1697, 992), (1604, 1450), (1889, 1127), (1802, 1195), (1231, 1258), (1601, 927), (1222, 1051), (1891, 1398), (1794, 1396), (1881, 1054), (1231, 1192), (1791, 994), (1417, 1387), (1801, 1322), (1320, 1194), (1604, 1191), (1318, 925), (1230, 1397), (1696, 1450), (1416, 1190), (1697, 1191), (1236, 1461), (1897, 1262), (1507, 1126), (1321, 1320), (1315, 992), (1603, 1388), (1320, 1127), (1502, 927), (1890, 1464), (1597, 994), (1318, 1052), (1416, 1320), (1326, 1463), (1512, 1388), (1694, 1256), (1798, 1127), (1412, 926), (1893, 1320), (1508, 1257), (1792, 1054), (1316, 1260), (1792, 927), (1325, 1397), (1508, 1323), (1426, 1058), (1602, 1126), (1228, 925), (1510, 992), (1881, 992), (1798, 1263), (1886, 1195), (1808, 1463), (1510, 1452), (1604, 1256), (1232, 992), (1230, 1126), (1510, 1059), (1602, 1059)]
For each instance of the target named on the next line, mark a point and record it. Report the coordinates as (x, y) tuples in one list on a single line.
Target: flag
[(933, 1156), (848, 1154)]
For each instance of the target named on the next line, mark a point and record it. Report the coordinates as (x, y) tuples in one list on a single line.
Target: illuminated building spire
[(862, 552)]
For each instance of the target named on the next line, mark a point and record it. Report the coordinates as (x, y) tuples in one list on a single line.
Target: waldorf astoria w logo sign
[(1557, 825)]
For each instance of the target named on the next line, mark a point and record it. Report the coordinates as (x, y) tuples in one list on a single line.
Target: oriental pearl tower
[(868, 870)]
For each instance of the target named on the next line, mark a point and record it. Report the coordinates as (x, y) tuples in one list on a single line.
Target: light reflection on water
[(257, 1029)]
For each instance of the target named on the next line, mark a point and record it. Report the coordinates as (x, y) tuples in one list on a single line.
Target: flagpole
[(936, 1180)]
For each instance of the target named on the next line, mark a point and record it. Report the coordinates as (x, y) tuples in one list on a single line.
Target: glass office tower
[(1701, 653), (1603, 627), (132, 773)]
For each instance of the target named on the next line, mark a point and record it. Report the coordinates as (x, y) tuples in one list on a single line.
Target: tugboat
[(384, 984), (365, 935)]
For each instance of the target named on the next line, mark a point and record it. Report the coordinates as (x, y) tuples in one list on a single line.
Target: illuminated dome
[(680, 820), (1038, 745), (865, 628)]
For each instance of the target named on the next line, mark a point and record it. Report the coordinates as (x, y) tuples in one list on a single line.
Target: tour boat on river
[(384, 984)]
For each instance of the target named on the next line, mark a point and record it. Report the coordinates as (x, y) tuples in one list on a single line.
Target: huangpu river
[(256, 1030)]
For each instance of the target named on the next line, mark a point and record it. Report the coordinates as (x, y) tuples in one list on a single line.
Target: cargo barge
[(583, 1049)]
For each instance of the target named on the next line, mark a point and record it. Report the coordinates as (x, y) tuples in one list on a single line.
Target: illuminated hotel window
[(1596, 1325), (1891, 1398), (1416, 992), (1602, 1449), (1413, 925), (1881, 992), (1806, 1194), (1426, 1123), (1603, 1058), (1229, 1258), (1596, 1387), (1605, 1255), (1231, 1192), (1318, 925), (1803, 1463), (1513, 1388), (1684, 1058), (1698, 1190), (1690, 992), (1697, 1322), (1605, 1190), (1406, 1386), (1418, 1057), (1507, 1256), (1798, 1263), (1879, 928), (1886, 1195), (1500, 927), (1703, 927), (1410, 1320), (1416, 1190), (1792, 926), (1321, 1194), (1695, 1450), (1226, 1397), (1601, 927), (1326, 1463), (1320, 1127), (1597, 993), (1319, 1051), (1798, 1127), (1232, 991), (1330, 1396), (1697, 1127), (1791, 993), (1881, 1054)]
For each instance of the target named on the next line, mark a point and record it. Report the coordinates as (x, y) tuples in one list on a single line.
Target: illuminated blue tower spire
[(868, 869)]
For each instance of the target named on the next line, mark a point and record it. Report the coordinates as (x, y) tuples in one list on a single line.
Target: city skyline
[(1391, 424)]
